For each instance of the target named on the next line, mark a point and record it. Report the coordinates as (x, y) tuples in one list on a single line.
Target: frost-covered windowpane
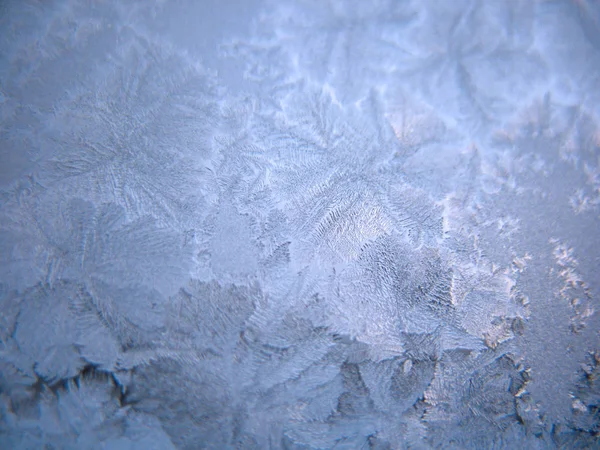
[(299, 224)]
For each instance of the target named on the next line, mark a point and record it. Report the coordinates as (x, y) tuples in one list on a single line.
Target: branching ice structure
[(299, 224)]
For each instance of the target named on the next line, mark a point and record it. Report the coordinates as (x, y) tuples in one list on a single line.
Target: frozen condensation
[(299, 224)]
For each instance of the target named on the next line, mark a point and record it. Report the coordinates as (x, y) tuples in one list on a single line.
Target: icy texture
[(299, 224)]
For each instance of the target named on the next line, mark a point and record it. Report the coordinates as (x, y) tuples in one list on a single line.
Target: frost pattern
[(343, 225)]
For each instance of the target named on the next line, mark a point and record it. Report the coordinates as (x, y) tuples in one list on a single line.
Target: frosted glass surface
[(299, 224)]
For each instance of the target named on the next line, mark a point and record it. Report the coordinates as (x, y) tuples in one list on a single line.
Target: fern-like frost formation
[(299, 224)]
